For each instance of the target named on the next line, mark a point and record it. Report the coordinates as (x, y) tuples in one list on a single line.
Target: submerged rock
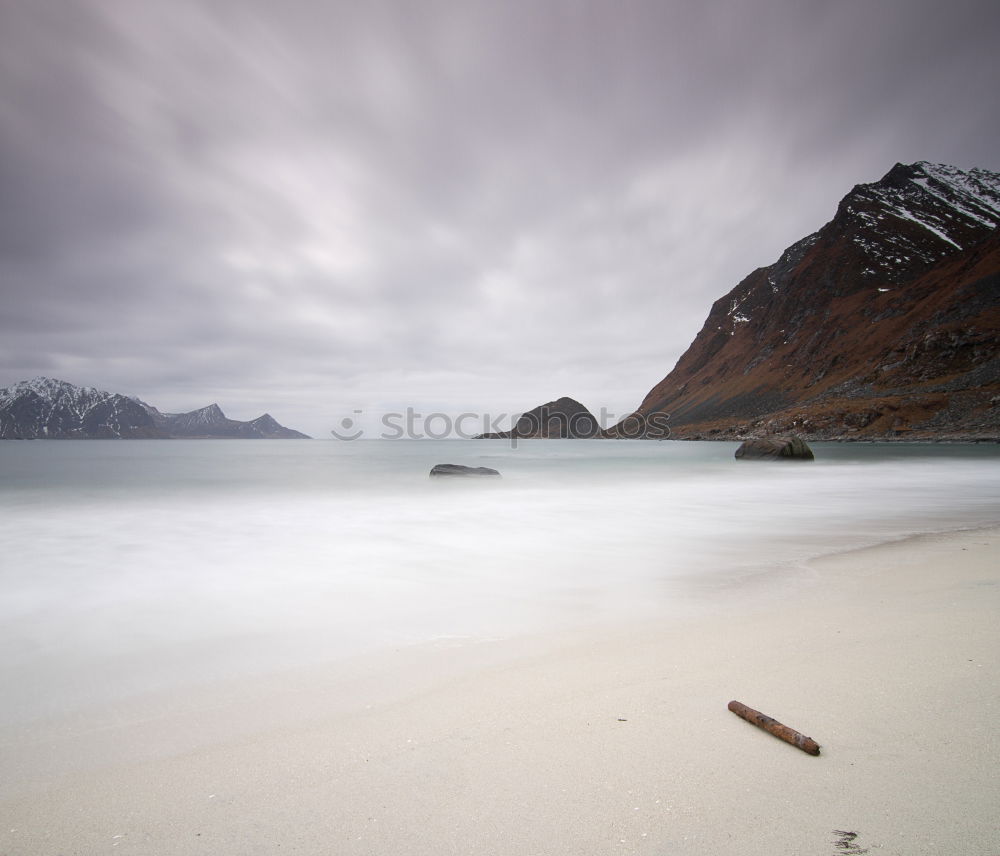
[(774, 448), (460, 470)]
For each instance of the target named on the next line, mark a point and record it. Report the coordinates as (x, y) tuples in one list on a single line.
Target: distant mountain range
[(884, 324), (54, 409)]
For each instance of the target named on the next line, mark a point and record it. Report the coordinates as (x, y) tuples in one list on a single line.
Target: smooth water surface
[(130, 566)]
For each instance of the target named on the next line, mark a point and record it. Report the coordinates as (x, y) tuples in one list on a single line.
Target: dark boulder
[(775, 448), (460, 470)]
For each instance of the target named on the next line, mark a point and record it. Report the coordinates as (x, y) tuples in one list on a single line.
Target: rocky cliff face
[(44, 408), (883, 324)]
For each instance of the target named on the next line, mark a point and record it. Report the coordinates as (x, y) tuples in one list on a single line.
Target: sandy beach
[(613, 740)]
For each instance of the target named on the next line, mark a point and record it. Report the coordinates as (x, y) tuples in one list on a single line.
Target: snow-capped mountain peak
[(45, 407), (919, 213), (879, 324)]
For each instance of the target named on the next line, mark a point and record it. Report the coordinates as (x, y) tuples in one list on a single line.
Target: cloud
[(333, 205)]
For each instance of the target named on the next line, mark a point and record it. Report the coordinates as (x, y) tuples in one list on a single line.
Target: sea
[(137, 566)]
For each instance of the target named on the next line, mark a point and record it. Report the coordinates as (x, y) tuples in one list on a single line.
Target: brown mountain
[(883, 324)]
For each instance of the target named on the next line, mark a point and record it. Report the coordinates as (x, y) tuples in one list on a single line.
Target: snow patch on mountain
[(904, 214), (951, 208)]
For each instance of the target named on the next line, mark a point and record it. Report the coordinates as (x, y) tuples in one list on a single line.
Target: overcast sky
[(314, 208)]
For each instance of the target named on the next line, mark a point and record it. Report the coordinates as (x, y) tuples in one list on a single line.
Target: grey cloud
[(443, 201)]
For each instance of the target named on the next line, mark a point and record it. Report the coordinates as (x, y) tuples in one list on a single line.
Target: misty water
[(133, 566)]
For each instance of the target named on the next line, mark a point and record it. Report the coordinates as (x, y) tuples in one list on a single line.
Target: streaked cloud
[(317, 207)]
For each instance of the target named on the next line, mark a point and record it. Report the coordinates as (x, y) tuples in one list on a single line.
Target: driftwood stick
[(772, 726)]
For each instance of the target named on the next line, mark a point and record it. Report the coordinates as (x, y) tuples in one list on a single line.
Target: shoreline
[(610, 740)]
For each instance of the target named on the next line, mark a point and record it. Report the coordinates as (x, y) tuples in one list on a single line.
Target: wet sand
[(614, 740)]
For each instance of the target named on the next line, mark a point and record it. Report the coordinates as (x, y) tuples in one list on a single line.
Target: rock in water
[(460, 470), (775, 448)]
